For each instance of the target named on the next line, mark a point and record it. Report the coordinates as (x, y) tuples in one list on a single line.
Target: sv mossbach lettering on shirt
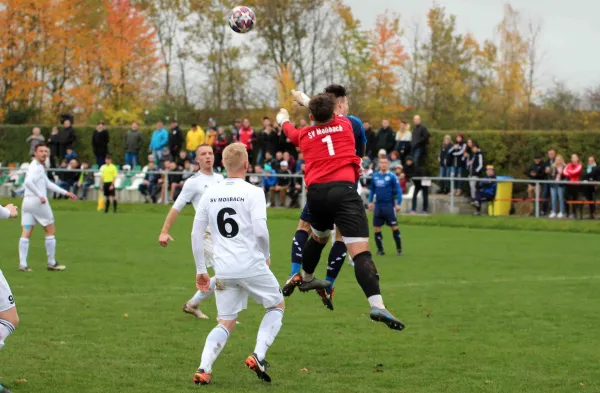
[(227, 199), (324, 131)]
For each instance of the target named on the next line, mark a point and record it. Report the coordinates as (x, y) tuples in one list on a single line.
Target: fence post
[(537, 199), (452, 211), (303, 191)]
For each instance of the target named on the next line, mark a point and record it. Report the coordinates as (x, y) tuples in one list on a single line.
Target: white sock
[(215, 341), (199, 297), (269, 327), (51, 250), (6, 328), (23, 251), (307, 277), (376, 301)]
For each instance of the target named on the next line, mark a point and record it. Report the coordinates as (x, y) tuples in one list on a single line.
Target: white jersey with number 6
[(235, 210)]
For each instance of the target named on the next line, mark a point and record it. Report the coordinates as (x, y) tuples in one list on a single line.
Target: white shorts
[(208, 249), (232, 294), (6, 298), (33, 211)]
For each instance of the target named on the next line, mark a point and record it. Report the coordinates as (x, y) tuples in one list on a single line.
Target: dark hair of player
[(42, 144), (337, 90), (322, 107)]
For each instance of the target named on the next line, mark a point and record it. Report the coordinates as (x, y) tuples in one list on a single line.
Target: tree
[(534, 58)]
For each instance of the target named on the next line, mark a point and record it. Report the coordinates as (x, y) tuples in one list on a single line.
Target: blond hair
[(559, 160), (234, 157)]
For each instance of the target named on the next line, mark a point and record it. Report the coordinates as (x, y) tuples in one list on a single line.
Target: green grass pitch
[(487, 310)]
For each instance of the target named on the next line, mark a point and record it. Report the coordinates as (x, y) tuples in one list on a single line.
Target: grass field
[(487, 310)]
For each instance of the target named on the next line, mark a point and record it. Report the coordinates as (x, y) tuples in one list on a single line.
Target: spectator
[(221, 142), (412, 170), (69, 178), (175, 138), (270, 160), (194, 138), (401, 177), (385, 137), (475, 168), (296, 188), (235, 130), (188, 171), (300, 162), (486, 190), (133, 143), (71, 155), (85, 181), (546, 186), (100, 141), (34, 139), (420, 141), (302, 123), (572, 173), (277, 163), (536, 171), (591, 174), (394, 159), (267, 140), (54, 146), (175, 179), (247, 137), (381, 154), (149, 186), (165, 157), (211, 136), (66, 138), (459, 164), (283, 184), (290, 160), (254, 177), (557, 191), (158, 141), (108, 178), (269, 180), (181, 159), (403, 140), (445, 160), (371, 147)]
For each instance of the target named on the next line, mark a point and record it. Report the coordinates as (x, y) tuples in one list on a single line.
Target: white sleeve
[(258, 205), (4, 213), (198, 229), (54, 188), (262, 236), (30, 180), (186, 196)]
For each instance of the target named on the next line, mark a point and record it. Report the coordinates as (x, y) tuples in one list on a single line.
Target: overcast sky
[(570, 37)]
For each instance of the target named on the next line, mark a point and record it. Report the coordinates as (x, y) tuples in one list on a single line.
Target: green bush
[(510, 151)]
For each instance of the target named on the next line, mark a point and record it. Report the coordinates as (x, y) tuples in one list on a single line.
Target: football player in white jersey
[(9, 319), (236, 213), (36, 209), (192, 191)]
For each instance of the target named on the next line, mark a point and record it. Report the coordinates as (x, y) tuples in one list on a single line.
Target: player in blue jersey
[(337, 254), (385, 189)]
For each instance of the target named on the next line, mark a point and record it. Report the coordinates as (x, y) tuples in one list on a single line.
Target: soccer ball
[(241, 19)]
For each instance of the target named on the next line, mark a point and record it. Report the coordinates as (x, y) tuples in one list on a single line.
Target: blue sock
[(298, 243), (337, 256), (379, 241)]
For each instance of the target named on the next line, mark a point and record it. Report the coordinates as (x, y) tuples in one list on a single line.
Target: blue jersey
[(385, 188), (360, 137)]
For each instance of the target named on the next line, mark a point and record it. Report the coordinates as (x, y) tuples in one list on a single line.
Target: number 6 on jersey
[(329, 142)]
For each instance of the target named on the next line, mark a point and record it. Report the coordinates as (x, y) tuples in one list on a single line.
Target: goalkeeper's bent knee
[(366, 273)]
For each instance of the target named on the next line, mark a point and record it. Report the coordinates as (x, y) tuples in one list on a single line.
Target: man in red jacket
[(332, 171), (247, 137)]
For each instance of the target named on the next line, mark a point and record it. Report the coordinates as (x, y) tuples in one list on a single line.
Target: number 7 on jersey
[(329, 142)]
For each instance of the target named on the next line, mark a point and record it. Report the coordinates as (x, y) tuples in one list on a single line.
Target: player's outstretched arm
[(290, 131), (10, 211), (202, 277), (54, 188), (301, 98), (164, 237)]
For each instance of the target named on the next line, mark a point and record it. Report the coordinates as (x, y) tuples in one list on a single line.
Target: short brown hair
[(234, 157), (42, 144), (322, 107)]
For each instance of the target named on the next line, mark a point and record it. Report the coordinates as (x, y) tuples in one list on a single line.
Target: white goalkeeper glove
[(301, 98), (282, 117)]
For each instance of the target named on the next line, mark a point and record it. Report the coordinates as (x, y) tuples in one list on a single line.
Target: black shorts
[(384, 214), (337, 203), (107, 191)]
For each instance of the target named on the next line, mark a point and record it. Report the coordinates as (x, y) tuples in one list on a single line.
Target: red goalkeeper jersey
[(329, 151)]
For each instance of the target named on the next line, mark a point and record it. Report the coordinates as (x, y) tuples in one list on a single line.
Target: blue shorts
[(385, 214), (305, 215)]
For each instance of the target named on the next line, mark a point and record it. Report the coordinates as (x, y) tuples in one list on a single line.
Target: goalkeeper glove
[(282, 117), (301, 98)]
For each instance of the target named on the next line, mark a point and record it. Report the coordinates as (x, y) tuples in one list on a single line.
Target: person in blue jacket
[(385, 189), (160, 139), (270, 178), (486, 190)]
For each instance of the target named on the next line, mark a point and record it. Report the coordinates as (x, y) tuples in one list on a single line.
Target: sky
[(569, 39)]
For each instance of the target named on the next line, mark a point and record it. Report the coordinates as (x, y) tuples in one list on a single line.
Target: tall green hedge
[(510, 151)]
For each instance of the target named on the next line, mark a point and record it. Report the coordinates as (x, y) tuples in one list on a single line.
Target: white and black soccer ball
[(241, 19)]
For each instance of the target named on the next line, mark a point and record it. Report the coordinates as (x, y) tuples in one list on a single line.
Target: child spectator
[(35, 139), (85, 181), (486, 189), (557, 191), (445, 161), (591, 174), (573, 174)]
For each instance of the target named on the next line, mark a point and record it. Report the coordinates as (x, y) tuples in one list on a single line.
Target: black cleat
[(399, 253), (260, 368), (383, 315), (313, 284), (380, 252), (326, 297), (291, 284)]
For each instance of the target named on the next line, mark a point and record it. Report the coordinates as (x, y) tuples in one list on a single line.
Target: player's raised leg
[(298, 243), (335, 262)]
